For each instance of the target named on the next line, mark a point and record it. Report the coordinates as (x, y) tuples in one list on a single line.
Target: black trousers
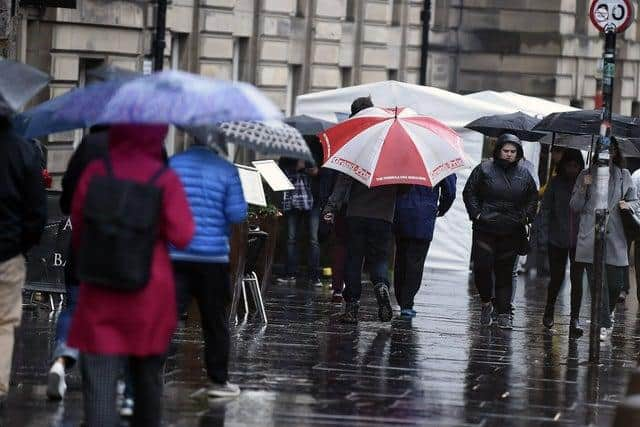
[(409, 266), (494, 256), (368, 239), (100, 374), (209, 284), (558, 265)]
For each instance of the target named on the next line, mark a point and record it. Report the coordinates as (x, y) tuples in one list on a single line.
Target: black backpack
[(120, 228)]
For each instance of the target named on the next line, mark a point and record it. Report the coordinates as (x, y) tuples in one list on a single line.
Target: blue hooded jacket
[(215, 195), (417, 209)]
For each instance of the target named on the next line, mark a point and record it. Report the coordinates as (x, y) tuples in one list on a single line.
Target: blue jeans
[(294, 218), (62, 328), (368, 239)]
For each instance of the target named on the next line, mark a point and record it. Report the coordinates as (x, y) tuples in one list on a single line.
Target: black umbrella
[(518, 124), (628, 147), (587, 122), (18, 84), (308, 125)]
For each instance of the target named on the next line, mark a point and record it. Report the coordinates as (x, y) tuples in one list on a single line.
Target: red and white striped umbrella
[(384, 146)]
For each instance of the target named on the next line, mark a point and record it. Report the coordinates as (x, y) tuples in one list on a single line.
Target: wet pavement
[(441, 369)]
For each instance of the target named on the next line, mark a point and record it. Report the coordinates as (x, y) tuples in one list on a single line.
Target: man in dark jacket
[(416, 212), (23, 215), (501, 198), (369, 214), (92, 147)]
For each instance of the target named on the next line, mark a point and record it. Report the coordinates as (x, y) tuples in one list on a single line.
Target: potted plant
[(266, 219)]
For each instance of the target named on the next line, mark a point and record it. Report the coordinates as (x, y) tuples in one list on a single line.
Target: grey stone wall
[(543, 48)]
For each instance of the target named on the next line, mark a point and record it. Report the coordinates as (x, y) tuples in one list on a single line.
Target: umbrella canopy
[(18, 84), (518, 124), (173, 97), (628, 147), (384, 146), (308, 125), (43, 119), (273, 138), (587, 122)]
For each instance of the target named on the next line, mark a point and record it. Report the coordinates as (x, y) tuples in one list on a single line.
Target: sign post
[(609, 17)]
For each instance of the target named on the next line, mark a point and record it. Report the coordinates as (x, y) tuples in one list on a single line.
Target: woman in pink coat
[(113, 329)]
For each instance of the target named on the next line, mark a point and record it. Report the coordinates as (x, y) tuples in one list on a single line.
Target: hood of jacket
[(140, 138), (504, 139)]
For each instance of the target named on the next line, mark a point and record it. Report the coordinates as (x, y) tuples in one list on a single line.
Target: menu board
[(252, 185), (274, 176)]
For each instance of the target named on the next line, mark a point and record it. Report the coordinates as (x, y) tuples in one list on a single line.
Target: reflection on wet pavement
[(441, 369)]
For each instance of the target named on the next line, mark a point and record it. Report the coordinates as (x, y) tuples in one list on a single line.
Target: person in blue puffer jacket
[(202, 270), (415, 219)]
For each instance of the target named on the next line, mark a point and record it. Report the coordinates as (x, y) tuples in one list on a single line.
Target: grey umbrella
[(18, 84)]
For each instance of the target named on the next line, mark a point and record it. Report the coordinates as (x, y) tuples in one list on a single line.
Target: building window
[(350, 14), (301, 8), (392, 74), (293, 88), (581, 16), (440, 14), (396, 12), (346, 76), (240, 65)]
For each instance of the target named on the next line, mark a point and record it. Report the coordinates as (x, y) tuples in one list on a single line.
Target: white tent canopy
[(451, 246)]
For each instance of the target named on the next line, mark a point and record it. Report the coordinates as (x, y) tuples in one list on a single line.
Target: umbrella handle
[(549, 171)]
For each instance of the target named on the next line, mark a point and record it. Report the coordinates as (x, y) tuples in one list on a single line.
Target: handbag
[(630, 221)]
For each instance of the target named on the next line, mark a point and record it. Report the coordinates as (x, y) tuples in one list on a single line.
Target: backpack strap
[(107, 164), (157, 175)]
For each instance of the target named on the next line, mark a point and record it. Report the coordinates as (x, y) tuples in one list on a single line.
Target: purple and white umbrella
[(171, 97)]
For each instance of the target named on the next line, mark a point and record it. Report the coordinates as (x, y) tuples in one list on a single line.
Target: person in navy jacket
[(215, 195), (415, 219)]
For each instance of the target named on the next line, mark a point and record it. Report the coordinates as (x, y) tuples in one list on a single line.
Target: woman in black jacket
[(561, 225), (501, 199)]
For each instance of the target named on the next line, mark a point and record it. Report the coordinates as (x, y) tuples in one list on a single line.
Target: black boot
[(350, 315), (547, 320), (574, 328)]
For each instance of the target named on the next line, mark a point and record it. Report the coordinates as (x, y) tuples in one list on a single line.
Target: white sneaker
[(223, 390), (56, 386), (605, 333), (126, 409)]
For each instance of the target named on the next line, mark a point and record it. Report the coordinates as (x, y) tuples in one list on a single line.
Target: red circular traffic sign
[(611, 15)]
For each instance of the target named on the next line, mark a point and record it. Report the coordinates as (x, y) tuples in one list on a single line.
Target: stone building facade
[(544, 48)]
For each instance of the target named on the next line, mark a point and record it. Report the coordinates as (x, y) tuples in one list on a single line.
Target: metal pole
[(425, 16), (159, 40), (601, 184)]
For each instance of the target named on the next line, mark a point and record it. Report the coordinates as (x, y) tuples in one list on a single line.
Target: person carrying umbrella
[(202, 269), (370, 213), (416, 212), (501, 200), (621, 192), (112, 328), (560, 224)]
